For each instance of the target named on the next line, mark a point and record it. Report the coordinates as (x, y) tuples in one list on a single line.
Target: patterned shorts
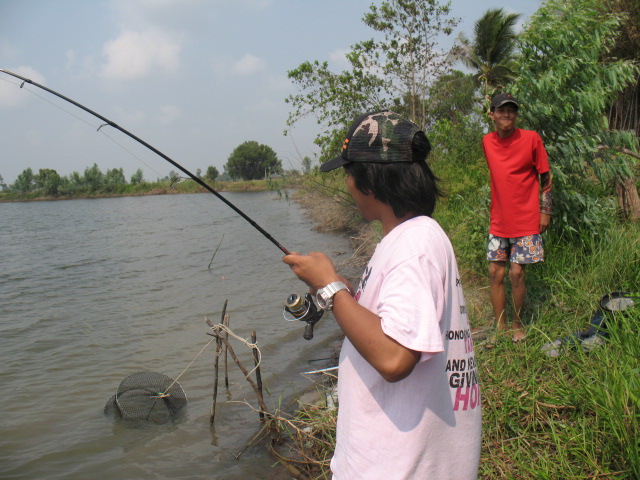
[(522, 250)]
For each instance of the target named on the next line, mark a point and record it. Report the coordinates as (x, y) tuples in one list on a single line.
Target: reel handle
[(308, 331)]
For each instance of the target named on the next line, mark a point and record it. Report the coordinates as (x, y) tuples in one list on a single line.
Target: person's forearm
[(545, 202), (545, 195), (363, 328)]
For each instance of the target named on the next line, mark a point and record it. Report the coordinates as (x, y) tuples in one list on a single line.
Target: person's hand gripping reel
[(303, 309)]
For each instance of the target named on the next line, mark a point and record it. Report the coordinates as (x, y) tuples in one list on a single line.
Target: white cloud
[(10, 94), (169, 113), (134, 55), (80, 67), (248, 65)]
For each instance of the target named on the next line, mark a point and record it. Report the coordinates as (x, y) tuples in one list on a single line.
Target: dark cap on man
[(502, 99), (377, 137)]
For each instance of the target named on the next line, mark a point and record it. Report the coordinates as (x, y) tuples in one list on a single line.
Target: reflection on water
[(94, 290)]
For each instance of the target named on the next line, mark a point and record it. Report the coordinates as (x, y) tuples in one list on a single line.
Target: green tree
[(491, 53), (24, 182), (213, 173), (306, 164), (93, 179), (172, 177), (624, 114), (456, 123), (72, 184), (137, 178), (334, 99), (252, 160), (76, 179), (394, 72), (48, 181), (409, 56), (566, 82), (65, 187), (3, 186), (114, 178), (451, 97)]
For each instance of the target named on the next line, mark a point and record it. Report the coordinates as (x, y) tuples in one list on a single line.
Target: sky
[(193, 78)]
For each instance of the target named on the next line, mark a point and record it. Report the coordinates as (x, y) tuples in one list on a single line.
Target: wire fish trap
[(147, 396)]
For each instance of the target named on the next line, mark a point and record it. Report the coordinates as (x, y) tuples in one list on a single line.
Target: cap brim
[(504, 102), (333, 164)]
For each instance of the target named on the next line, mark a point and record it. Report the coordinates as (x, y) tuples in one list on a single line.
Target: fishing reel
[(303, 309)]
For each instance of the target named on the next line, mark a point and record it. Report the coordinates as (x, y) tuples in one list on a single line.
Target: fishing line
[(156, 151), (217, 329), (116, 142), (91, 125)]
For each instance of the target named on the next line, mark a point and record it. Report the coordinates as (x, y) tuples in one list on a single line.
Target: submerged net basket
[(147, 396)]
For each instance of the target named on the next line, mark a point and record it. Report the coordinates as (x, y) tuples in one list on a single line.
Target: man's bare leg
[(519, 292), (498, 297)]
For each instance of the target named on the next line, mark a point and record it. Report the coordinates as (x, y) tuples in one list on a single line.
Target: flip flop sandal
[(518, 340), (491, 340)]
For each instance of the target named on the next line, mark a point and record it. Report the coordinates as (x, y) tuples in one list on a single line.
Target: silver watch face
[(324, 296), (323, 302)]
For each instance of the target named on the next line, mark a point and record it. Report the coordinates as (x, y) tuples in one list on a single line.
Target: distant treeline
[(48, 184)]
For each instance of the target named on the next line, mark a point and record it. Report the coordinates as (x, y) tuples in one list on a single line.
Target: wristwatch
[(324, 296)]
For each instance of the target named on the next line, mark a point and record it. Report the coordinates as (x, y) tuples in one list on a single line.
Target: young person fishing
[(408, 393), (520, 208)]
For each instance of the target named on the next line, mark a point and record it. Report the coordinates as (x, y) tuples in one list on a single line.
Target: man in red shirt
[(520, 207)]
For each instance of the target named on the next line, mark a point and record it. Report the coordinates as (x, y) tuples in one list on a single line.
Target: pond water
[(92, 291)]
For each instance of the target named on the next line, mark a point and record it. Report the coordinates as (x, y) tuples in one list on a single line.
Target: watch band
[(325, 295)]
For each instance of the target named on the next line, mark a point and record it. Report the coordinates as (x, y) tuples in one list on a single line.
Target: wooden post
[(216, 370), (215, 381), (226, 352), (256, 360), (263, 406), (628, 198)]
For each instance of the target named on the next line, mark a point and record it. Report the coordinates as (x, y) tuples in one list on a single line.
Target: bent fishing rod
[(154, 150)]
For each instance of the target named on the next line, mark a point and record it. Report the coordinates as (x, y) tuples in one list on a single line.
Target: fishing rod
[(156, 151)]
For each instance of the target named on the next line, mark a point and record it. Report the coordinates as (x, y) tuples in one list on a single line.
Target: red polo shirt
[(514, 164)]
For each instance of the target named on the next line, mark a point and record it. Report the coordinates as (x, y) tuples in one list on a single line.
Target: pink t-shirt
[(514, 164), (427, 425)]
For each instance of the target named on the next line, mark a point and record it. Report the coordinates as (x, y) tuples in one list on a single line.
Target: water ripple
[(94, 290)]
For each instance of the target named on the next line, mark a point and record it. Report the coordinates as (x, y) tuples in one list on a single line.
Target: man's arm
[(392, 360), (363, 328), (545, 201)]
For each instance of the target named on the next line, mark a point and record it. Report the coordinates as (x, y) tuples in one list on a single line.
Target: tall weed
[(576, 416)]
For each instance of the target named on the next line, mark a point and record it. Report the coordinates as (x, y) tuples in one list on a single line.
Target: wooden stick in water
[(226, 366), (256, 360), (245, 372), (216, 370)]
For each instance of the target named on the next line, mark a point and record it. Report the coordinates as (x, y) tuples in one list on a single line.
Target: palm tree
[(491, 54)]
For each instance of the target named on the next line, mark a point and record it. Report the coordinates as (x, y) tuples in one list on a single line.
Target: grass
[(575, 416)]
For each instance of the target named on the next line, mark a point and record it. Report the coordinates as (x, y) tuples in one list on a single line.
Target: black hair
[(408, 187)]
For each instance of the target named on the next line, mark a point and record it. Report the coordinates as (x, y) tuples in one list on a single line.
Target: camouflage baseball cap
[(378, 137)]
